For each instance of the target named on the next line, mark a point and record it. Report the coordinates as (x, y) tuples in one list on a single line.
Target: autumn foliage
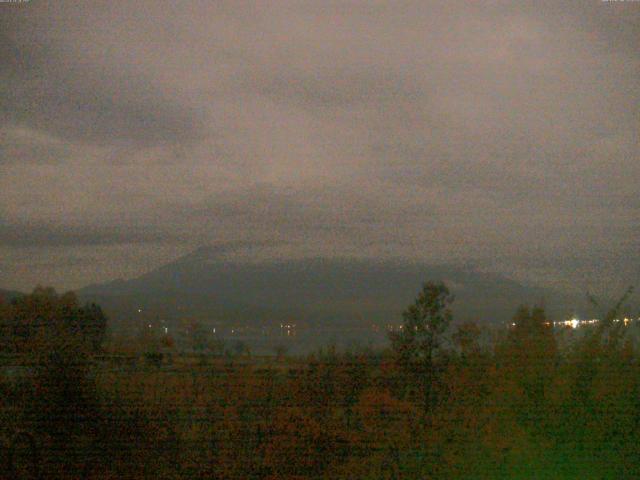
[(445, 401)]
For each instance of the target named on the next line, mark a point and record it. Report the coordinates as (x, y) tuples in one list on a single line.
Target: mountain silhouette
[(323, 294)]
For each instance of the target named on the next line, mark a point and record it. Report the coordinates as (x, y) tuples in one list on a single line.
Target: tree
[(530, 356), (466, 338), (57, 332), (44, 321), (239, 348), (93, 325), (531, 337), (420, 337), (280, 350), (5, 327), (199, 336)]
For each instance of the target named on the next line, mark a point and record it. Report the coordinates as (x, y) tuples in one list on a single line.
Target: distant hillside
[(323, 293), (8, 295)]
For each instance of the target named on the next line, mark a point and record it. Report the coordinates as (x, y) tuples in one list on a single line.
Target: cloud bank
[(503, 133)]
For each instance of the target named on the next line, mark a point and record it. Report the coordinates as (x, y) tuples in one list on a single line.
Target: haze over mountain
[(322, 294)]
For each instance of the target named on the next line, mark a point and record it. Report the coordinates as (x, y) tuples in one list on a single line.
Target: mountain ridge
[(210, 286)]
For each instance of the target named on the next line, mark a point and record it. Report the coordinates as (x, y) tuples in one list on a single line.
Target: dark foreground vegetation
[(442, 402)]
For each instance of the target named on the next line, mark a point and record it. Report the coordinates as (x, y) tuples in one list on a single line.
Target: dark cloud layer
[(502, 133), (42, 236), (49, 91)]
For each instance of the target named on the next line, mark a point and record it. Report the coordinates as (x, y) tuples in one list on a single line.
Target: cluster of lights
[(289, 327), (576, 322), (237, 330), (391, 328), (166, 329)]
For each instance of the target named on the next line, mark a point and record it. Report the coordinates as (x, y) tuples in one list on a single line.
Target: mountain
[(325, 295)]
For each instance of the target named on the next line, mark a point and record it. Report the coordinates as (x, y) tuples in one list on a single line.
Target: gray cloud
[(46, 89), (24, 235), (20, 145), (504, 133), (330, 88)]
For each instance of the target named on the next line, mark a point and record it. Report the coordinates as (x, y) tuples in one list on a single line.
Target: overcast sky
[(500, 133)]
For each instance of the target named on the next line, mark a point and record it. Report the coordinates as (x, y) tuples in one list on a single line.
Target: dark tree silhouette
[(45, 321), (420, 337)]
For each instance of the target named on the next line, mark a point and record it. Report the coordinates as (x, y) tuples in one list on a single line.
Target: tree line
[(443, 401), (43, 322)]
